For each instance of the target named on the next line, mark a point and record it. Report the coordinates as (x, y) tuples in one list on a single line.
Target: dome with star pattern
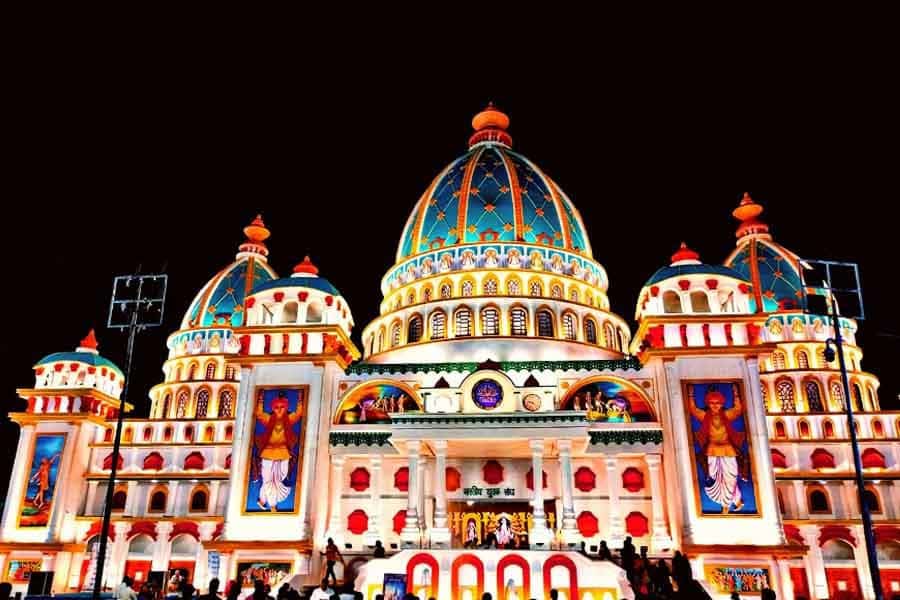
[(492, 194)]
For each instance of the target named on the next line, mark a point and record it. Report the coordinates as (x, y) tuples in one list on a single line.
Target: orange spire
[(306, 267), (684, 253), (490, 125), (256, 231), (89, 341), (747, 212)]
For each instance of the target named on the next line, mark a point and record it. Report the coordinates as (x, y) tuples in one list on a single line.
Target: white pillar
[(215, 487), (616, 534), (569, 527), (440, 533), (131, 498), (172, 499), (800, 496), (17, 482), (91, 500), (539, 536), (373, 533), (816, 563), (420, 507), (162, 550), (862, 564), (335, 527), (786, 585), (410, 533), (660, 538)]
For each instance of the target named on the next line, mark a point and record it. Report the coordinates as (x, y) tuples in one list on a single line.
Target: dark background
[(159, 159)]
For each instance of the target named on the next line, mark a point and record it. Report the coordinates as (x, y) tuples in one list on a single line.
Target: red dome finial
[(256, 231), (684, 253), (306, 267), (89, 341), (747, 212), (490, 125)]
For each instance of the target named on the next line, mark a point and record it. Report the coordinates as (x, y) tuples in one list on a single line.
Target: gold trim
[(785, 551), (749, 351), (21, 418), (157, 519), (318, 359), (738, 389), (303, 402), (56, 486)]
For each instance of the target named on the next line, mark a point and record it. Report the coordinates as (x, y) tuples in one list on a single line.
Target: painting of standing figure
[(42, 477), (721, 448)]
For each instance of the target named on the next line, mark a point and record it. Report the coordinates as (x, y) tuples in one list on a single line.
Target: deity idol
[(721, 445)]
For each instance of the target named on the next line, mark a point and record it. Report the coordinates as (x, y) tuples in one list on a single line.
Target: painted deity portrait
[(275, 450), (721, 448), (42, 478), (374, 403), (610, 401)]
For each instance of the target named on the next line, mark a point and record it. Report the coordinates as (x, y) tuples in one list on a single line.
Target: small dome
[(492, 194), (221, 300), (305, 275), (687, 262), (82, 368)]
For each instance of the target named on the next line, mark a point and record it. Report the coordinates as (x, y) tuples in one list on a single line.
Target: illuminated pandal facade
[(496, 401)]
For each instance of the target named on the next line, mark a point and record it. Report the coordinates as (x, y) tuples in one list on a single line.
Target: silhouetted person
[(234, 590), (605, 553), (768, 594), (5, 590), (187, 591), (554, 594), (213, 593), (378, 552), (486, 596), (628, 554), (735, 596)]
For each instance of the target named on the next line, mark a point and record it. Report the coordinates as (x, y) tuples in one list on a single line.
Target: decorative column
[(786, 584), (410, 534), (214, 488), (616, 535), (172, 499), (539, 536), (800, 495), (17, 482), (373, 533), (162, 550), (862, 564), (570, 533), (420, 507), (816, 563), (660, 538), (440, 533), (131, 498), (91, 498), (335, 527)]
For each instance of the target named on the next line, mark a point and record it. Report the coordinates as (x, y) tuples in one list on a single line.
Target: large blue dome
[(492, 194)]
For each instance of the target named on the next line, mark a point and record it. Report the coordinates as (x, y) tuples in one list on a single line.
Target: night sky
[(162, 164)]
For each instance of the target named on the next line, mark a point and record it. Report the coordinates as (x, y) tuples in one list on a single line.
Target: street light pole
[(144, 309)]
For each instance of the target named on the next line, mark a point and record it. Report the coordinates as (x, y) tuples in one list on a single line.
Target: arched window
[(818, 501), (229, 373), (544, 323), (609, 335), (446, 291), (764, 388), (209, 433), (167, 401), (463, 322), (699, 302), (671, 302), (289, 314), (590, 331), (108, 435), (780, 430), (167, 434), (873, 404), (857, 397), (785, 390), (513, 287), (569, 326), (518, 321), (623, 341), (490, 321), (837, 395), (828, 429), (556, 291), (157, 501), (872, 501), (148, 433), (229, 434), (573, 294), (802, 359), (210, 370), (813, 396), (202, 403), (491, 286), (778, 360), (467, 288), (395, 334), (314, 312), (226, 403), (199, 500), (535, 288), (381, 339), (192, 372), (803, 428), (141, 544), (820, 357), (181, 404), (120, 497), (189, 433), (426, 293), (411, 299), (438, 325), (177, 373), (128, 435), (877, 428), (414, 329)]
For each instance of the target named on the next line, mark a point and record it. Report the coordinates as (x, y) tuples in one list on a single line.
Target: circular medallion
[(487, 394), (531, 402)]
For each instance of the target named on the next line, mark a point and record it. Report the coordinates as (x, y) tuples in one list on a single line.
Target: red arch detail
[(513, 560), (561, 560), (429, 561), (466, 559)]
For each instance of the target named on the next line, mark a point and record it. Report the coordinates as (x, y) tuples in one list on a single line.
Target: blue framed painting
[(720, 444), (276, 450), (42, 479)]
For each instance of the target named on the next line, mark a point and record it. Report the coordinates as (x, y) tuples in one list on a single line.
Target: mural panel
[(720, 446), (276, 450), (374, 403), (270, 573), (610, 400), (743, 580), (42, 477)]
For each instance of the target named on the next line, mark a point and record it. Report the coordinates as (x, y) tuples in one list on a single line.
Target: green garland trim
[(359, 438), (446, 419), (626, 436), (363, 368)]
